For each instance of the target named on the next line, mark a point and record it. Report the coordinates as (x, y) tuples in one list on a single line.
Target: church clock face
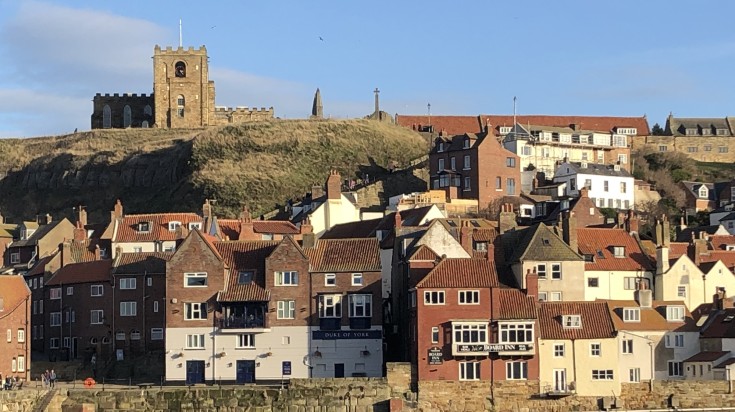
[(180, 69)]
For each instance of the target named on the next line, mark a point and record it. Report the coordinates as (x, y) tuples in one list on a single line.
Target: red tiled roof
[(593, 240), (596, 321), (231, 227), (484, 235), (141, 262), (86, 272), (13, 291), (514, 304), (651, 319), (719, 242), (475, 124), (424, 252), (245, 256), (344, 255), (727, 257), (82, 251), (677, 249), (127, 230), (706, 356), (461, 272)]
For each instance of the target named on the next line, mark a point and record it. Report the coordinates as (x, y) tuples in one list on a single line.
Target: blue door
[(245, 371), (194, 372)]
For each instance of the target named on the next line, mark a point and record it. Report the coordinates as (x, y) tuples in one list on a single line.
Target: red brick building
[(78, 311), (465, 325), (15, 316), (474, 166)]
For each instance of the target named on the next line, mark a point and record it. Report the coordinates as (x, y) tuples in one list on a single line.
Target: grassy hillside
[(259, 164)]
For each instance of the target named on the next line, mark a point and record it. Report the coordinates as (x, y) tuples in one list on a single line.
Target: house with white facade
[(608, 186), (545, 147), (327, 208)]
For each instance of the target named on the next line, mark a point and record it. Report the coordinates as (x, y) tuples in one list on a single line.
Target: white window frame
[(286, 278), (195, 310), (675, 366), (631, 314), (681, 291), (469, 371), (542, 297), (173, 225), (195, 225), (54, 293), (135, 334), (675, 313), (634, 374), (556, 271), (541, 270), (69, 290), (516, 332), (245, 341), (555, 296), (330, 279), (55, 319), (434, 334), (96, 291), (197, 277), (470, 333), (467, 162), (603, 374), (10, 335), (96, 316), (468, 297), (156, 333), (357, 279), (53, 343), (572, 321), (360, 305), (559, 350), (15, 257), (626, 346), (155, 306), (516, 374), (128, 283), (596, 349), (120, 335), (21, 335), (129, 308), (330, 306), (195, 341), (286, 309), (434, 297), (674, 340)]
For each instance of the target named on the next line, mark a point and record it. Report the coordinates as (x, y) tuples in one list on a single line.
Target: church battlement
[(118, 95), (240, 109), (179, 50)]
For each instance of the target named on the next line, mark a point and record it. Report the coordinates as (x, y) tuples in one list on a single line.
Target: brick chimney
[(117, 211), (507, 218), (308, 240), (97, 252), (465, 236), (317, 191), (306, 226), (207, 210), (181, 233), (82, 216), (632, 222), (700, 248), (80, 233), (620, 220), (334, 185), (531, 283), (569, 229), (247, 231), (662, 232), (584, 192), (398, 220)]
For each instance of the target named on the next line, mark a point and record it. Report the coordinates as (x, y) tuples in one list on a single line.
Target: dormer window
[(729, 247), (703, 192), (619, 251), (722, 132), (706, 130), (505, 129), (466, 143), (440, 147), (144, 227), (632, 314), (627, 130), (691, 131), (245, 277), (172, 226), (572, 321), (675, 313), (195, 225)]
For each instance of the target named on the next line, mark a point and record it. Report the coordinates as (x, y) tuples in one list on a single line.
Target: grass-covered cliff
[(259, 164)]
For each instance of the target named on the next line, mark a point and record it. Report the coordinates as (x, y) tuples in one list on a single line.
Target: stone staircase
[(50, 402)]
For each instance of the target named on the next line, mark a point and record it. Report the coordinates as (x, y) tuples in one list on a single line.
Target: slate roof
[(729, 216), (85, 272), (476, 124), (536, 243), (596, 242), (651, 319), (725, 363), (244, 256), (595, 316), (597, 169), (707, 356), (514, 304), (141, 263), (38, 234), (13, 292), (720, 325), (344, 255), (351, 230), (693, 232), (40, 267), (461, 272), (127, 229), (231, 227), (693, 189), (677, 125)]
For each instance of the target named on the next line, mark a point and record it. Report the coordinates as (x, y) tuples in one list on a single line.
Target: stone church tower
[(183, 93)]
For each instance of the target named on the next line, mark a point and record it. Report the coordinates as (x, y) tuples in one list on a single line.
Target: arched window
[(144, 124), (127, 116), (181, 103), (105, 340), (180, 69), (106, 117), (92, 341), (147, 111)]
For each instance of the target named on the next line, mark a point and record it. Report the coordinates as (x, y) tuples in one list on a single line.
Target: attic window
[(619, 251), (505, 129), (245, 277), (589, 258), (729, 247), (572, 321), (440, 147), (546, 242), (144, 227), (675, 313), (632, 314), (195, 225), (172, 226), (722, 132), (728, 318), (703, 191), (466, 144)]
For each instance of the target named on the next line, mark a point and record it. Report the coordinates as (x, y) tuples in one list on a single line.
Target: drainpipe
[(574, 365)]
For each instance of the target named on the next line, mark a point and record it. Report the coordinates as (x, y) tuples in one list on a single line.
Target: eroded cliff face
[(153, 181)]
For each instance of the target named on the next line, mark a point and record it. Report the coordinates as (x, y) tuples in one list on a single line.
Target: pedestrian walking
[(52, 379)]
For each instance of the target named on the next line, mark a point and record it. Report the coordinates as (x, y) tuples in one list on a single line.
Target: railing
[(241, 322)]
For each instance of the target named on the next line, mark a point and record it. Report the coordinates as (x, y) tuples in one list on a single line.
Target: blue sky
[(617, 58)]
